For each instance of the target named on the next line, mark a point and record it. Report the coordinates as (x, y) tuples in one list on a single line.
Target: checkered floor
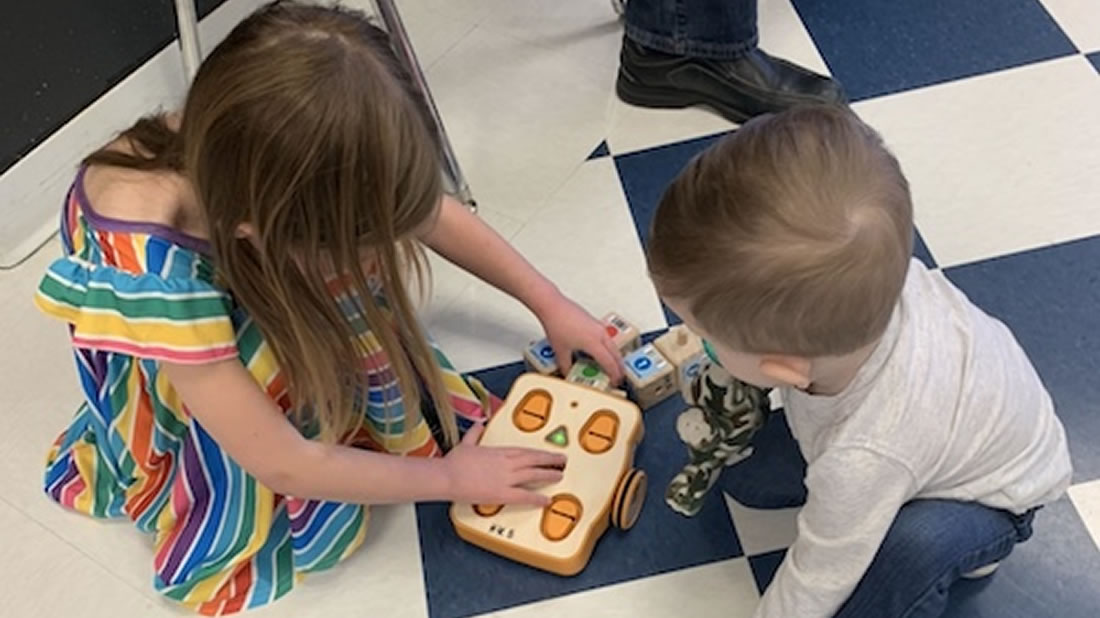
[(992, 108)]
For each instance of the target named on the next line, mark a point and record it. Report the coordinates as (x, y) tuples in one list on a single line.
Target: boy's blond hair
[(790, 236)]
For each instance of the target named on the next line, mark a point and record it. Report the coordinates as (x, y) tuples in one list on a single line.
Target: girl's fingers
[(473, 434), (524, 454), (538, 459), (512, 452), (608, 358), (564, 356), (525, 497), (538, 476)]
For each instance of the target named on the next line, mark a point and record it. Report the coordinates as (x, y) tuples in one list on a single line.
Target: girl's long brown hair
[(302, 126)]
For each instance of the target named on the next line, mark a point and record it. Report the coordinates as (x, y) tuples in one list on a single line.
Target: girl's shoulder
[(161, 198), (132, 195), (136, 287), (131, 220)]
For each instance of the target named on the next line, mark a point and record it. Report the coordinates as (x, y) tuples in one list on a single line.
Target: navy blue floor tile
[(661, 541), (876, 47), (921, 252), (645, 175), (1094, 58), (772, 477), (670, 316), (764, 567), (1050, 298), (600, 151)]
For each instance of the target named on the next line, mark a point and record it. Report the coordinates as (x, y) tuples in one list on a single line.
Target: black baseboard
[(57, 57)]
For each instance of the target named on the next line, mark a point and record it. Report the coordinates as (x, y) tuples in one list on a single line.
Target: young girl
[(236, 288)]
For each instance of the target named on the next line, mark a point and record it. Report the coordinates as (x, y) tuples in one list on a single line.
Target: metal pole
[(451, 170), (188, 26)]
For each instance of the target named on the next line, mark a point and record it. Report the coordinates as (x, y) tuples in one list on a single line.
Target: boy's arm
[(854, 495), (464, 239)]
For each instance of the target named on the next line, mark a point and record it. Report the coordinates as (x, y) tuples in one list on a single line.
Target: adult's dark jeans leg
[(711, 29), (930, 545)]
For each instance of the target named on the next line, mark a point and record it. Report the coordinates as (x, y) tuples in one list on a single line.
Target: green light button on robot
[(559, 437)]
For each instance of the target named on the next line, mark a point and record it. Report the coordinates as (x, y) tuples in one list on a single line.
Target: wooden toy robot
[(598, 432)]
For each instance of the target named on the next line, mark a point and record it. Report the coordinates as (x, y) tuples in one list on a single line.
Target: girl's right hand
[(494, 475)]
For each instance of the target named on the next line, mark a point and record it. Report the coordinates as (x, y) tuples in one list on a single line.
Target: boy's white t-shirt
[(948, 406)]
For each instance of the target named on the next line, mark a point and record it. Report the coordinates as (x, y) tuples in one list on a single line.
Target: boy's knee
[(935, 533), (914, 536)]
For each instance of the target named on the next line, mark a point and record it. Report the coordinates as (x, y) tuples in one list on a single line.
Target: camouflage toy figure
[(718, 427)]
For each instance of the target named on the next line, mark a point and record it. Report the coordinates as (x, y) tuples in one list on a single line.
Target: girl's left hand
[(569, 328)]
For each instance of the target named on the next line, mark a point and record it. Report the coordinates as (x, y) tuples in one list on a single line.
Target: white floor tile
[(1086, 499), (721, 589), (585, 35), (637, 128), (521, 117), (763, 530), (584, 241), (44, 576), (783, 34), (590, 29), (1080, 19), (384, 576), (1002, 162), (435, 26), (776, 398)]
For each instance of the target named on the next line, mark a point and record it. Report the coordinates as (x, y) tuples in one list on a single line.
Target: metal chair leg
[(187, 24), (452, 173)]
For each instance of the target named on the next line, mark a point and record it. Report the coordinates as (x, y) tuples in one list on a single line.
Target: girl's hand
[(569, 327), (489, 475)]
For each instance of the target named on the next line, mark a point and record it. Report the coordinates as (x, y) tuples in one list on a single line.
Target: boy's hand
[(569, 327), (490, 475)]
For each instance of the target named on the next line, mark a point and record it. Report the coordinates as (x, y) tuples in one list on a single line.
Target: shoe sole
[(982, 572), (670, 98)]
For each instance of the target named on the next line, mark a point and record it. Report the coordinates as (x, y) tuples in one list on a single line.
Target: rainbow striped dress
[(135, 295)]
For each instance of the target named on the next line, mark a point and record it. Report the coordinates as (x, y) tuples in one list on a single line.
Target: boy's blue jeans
[(927, 549), (713, 29), (930, 545)]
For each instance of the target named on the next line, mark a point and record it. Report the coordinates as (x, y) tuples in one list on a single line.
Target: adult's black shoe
[(739, 89)]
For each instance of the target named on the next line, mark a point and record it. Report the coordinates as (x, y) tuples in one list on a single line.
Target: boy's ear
[(790, 370)]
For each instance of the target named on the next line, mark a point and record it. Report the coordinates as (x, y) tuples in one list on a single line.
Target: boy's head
[(787, 241)]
